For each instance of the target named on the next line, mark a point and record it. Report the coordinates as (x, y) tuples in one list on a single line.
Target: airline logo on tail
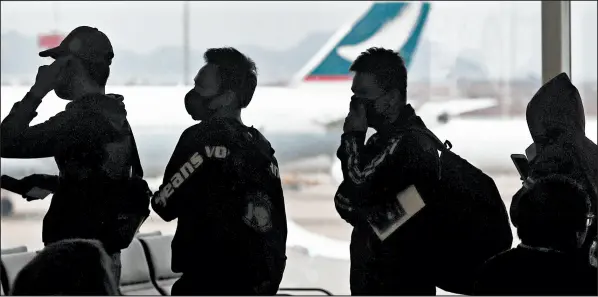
[(392, 25)]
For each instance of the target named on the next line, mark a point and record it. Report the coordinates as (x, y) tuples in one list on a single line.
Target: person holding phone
[(90, 140), (32, 187), (556, 121)]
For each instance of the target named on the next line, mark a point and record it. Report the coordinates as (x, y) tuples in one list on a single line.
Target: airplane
[(293, 118), (304, 119)]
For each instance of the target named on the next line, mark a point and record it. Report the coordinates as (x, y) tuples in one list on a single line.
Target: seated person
[(552, 223), (68, 267)]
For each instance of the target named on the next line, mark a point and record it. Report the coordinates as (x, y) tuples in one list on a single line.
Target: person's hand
[(356, 121), (47, 77), (44, 181)]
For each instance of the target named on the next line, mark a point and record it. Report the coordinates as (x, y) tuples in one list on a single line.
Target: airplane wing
[(455, 107), (431, 110)]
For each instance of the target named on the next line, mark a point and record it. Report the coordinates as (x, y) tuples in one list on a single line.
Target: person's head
[(556, 113), (554, 213), (223, 86), (68, 267), (89, 55), (380, 82)]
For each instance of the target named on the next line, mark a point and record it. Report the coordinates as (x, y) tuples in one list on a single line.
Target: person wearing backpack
[(99, 193), (222, 184), (445, 216)]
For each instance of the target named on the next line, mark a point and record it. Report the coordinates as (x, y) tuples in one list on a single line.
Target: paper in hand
[(387, 218), (36, 193)]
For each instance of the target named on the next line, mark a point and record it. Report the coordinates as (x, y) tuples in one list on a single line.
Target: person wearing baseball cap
[(92, 144), (92, 49)]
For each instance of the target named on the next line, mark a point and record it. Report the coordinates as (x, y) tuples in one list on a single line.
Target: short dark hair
[(237, 71), (387, 66), (98, 71), (68, 267), (552, 211)]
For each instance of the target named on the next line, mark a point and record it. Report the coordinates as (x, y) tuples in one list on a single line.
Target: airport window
[(474, 64), (584, 52)]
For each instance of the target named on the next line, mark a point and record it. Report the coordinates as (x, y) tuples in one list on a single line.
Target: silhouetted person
[(223, 185), (68, 267), (556, 120), (90, 140), (552, 223), (403, 153)]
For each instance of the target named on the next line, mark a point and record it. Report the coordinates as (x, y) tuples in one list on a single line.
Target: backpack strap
[(136, 169), (442, 147), (447, 145)]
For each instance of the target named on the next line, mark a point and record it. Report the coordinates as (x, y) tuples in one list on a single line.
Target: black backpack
[(130, 209), (473, 220), (254, 188)]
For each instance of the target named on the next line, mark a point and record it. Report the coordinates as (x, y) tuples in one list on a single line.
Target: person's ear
[(226, 99), (233, 99)]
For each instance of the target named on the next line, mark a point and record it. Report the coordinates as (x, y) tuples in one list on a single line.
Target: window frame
[(556, 38)]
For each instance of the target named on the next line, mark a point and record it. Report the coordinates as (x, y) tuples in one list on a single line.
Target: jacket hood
[(110, 105), (556, 110)]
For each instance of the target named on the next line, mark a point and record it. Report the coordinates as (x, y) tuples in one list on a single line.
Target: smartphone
[(530, 152), (36, 193), (521, 164)]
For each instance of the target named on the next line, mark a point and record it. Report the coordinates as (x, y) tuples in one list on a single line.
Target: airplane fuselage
[(289, 118)]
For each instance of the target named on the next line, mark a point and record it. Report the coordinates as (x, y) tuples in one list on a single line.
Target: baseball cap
[(84, 42)]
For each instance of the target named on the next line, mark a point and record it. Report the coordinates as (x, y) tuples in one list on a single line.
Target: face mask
[(198, 106)]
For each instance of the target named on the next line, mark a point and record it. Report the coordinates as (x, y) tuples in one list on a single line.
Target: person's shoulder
[(204, 131), (415, 142), (504, 259)]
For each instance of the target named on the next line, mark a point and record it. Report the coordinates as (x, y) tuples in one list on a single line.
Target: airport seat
[(153, 233), (303, 291), (12, 264), (14, 250), (135, 276), (159, 254)]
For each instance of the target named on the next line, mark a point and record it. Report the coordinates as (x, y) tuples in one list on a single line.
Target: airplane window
[(584, 52), (472, 67)]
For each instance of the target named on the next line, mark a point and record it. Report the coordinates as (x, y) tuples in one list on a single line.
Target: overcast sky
[(142, 25), (494, 31)]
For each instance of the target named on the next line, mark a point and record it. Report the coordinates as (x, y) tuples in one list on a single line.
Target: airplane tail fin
[(392, 25)]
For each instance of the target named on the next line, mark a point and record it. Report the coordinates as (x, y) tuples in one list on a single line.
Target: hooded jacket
[(91, 142), (556, 121)]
